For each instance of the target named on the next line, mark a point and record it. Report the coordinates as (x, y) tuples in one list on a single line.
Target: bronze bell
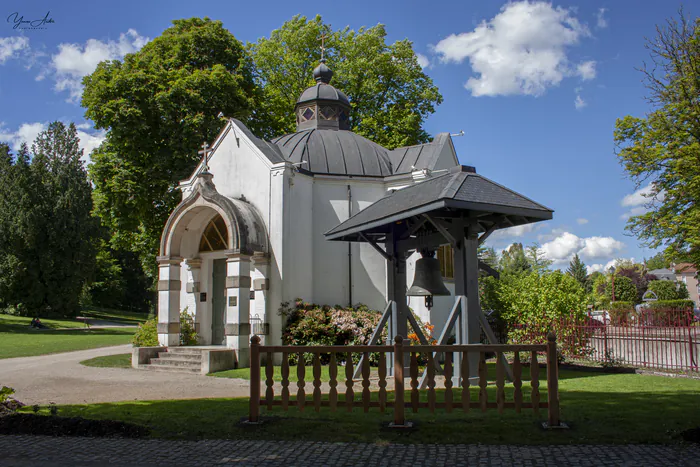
[(427, 280)]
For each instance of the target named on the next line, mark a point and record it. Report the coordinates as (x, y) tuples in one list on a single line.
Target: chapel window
[(445, 254), (214, 236)]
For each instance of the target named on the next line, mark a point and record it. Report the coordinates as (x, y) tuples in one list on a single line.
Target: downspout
[(349, 251)]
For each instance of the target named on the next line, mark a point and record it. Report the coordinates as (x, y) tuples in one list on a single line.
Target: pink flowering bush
[(311, 324)]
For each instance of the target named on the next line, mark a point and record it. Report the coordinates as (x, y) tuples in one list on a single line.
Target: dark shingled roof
[(323, 91), (338, 152), (422, 156), (459, 188)]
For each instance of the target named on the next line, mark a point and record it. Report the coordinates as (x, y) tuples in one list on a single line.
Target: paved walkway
[(60, 378), (27, 451)]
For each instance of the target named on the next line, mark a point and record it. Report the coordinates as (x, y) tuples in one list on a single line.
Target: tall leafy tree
[(577, 270), (514, 261), (390, 94), (658, 261), (537, 258), (158, 105), (663, 148)]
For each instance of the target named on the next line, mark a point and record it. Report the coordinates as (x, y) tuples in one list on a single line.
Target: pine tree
[(537, 258), (577, 270), (513, 260)]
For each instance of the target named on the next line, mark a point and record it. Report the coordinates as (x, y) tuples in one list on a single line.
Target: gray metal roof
[(459, 189), (422, 156), (323, 91), (338, 152), (664, 274)]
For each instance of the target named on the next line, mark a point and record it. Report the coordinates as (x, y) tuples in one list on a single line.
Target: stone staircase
[(178, 360)]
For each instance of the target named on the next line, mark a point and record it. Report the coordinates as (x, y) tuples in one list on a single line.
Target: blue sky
[(535, 86)]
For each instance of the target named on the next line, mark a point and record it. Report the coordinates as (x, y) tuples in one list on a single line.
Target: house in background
[(688, 274), (663, 274)]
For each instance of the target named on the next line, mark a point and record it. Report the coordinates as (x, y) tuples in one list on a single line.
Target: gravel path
[(28, 451), (60, 378)]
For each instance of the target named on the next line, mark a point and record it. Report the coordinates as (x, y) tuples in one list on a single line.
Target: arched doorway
[(213, 239)]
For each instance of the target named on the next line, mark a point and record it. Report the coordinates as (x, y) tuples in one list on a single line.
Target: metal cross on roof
[(205, 156), (323, 45)]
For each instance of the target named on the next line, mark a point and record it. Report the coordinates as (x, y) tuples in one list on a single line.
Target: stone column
[(261, 285), (237, 328), (169, 286), (194, 269)]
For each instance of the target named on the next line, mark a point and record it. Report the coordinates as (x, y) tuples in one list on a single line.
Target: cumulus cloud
[(602, 22), (579, 103), (586, 70), (512, 232), (11, 46), (565, 245), (73, 61), (27, 133), (581, 221), (423, 61), (640, 201), (522, 50)]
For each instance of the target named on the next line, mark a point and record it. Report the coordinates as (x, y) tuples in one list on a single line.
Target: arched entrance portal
[(222, 242)]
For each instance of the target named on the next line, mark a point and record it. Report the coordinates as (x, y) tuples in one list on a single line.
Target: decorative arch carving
[(244, 225)]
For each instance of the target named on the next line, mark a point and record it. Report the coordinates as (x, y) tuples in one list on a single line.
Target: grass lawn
[(600, 408), (110, 361), (115, 316), (17, 339), (244, 373)]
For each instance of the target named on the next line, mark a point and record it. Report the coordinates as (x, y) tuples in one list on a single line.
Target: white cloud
[(640, 201), (602, 22), (522, 50), (512, 232), (73, 61), (586, 70), (423, 61), (581, 221), (579, 103), (27, 133), (565, 245), (599, 267), (11, 46)]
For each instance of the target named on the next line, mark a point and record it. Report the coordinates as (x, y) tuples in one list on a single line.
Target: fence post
[(692, 364), (399, 417), (552, 380), (254, 409)]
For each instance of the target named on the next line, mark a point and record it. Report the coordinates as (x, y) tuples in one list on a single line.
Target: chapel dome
[(323, 143), (338, 152)]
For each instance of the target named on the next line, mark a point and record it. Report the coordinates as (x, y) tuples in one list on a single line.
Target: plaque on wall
[(252, 294), (232, 301), (203, 297)]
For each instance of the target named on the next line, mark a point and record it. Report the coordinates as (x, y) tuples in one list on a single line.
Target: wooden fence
[(464, 398)]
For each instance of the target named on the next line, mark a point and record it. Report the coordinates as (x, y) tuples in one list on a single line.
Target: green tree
[(390, 94), (669, 290), (488, 255), (536, 257), (577, 270), (158, 105), (514, 261), (658, 261), (624, 289), (663, 148), (48, 231)]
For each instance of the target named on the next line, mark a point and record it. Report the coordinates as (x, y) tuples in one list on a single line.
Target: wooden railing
[(464, 397)]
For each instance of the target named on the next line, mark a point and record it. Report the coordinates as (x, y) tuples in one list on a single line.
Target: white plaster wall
[(299, 238), (330, 259)]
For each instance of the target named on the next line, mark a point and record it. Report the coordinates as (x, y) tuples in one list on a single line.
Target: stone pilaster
[(237, 327), (169, 286), (193, 288)]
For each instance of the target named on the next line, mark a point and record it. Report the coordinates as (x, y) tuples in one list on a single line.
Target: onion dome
[(322, 105)]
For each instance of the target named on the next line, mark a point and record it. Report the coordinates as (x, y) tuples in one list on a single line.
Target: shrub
[(668, 313), (620, 313), (311, 324), (625, 291), (188, 334), (5, 393), (147, 333), (666, 290)]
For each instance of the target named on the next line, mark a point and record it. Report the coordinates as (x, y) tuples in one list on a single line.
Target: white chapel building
[(249, 231)]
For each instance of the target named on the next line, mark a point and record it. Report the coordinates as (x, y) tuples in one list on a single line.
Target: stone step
[(184, 350), (180, 356), (176, 362), (172, 369)]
